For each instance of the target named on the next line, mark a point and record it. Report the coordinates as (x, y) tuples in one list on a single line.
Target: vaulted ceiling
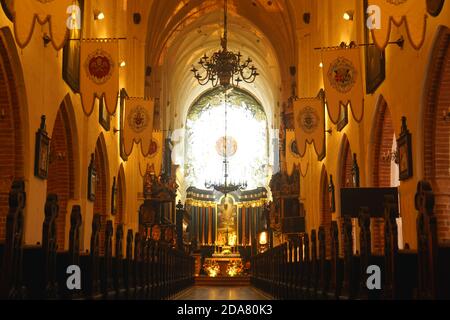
[(181, 31)]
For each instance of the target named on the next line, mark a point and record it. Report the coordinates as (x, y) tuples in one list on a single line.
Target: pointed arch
[(61, 171), (345, 163), (383, 134), (121, 197), (436, 130), (101, 202), (13, 119), (383, 172), (325, 210)]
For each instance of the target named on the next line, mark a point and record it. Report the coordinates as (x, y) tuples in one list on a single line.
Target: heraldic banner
[(309, 123), (99, 74), (412, 12), (293, 159), (138, 125), (27, 12), (343, 83), (155, 154)]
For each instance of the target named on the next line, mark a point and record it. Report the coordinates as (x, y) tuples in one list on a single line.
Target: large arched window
[(247, 147)]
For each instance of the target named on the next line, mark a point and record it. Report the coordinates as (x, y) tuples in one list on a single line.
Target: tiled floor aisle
[(222, 293)]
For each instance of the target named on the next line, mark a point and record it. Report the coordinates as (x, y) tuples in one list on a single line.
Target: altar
[(225, 262)]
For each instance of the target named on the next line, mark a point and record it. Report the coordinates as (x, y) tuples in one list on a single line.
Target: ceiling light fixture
[(225, 67)]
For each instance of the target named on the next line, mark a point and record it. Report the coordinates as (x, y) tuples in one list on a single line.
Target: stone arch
[(61, 172), (325, 210), (436, 130), (121, 197), (382, 134), (13, 117), (381, 174), (345, 164), (101, 186)]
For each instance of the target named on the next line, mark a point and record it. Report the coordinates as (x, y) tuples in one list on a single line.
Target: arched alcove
[(436, 129), (13, 120), (61, 170)]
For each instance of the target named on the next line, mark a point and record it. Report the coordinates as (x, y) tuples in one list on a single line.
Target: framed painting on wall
[(71, 53), (7, 6), (404, 145), (434, 7), (343, 118), (42, 152), (375, 60), (103, 115), (114, 197), (92, 179)]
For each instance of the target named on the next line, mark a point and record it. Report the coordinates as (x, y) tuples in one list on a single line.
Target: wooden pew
[(324, 267), (90, 263), (400, 266), (144, 267), (118, 261), (351, 269), (299, 269), (129, 267), (152, 269), (40, 260), (106, 274), (434, 259), (365, 245), (292, 258), (283, 271), (336, 264), (314, 266), (71, 257), (138, 266), (11, 285), (306, 277)]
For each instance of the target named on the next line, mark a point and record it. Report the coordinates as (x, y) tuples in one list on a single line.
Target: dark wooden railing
[(156, 270), (300, 268)]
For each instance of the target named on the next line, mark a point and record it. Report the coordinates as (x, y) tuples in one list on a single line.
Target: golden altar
[(225, 262)]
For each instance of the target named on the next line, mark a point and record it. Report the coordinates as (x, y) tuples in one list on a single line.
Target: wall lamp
[(99, 15), (348, 15), (447, 115)]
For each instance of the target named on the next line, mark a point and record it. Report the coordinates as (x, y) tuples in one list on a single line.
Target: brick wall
[(11, 143), (437, 133), (346, 181), (384, 134), (61, 170), (100, 191)]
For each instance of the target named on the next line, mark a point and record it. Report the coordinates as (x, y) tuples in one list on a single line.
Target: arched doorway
[(13, 132), (436, 128), (61, 170), (325, 210), (101, 190)]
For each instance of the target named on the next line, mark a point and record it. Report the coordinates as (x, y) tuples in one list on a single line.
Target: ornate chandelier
[(225, 67), (226, 187)]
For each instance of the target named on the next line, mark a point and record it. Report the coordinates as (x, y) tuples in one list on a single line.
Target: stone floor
[(222, 293)]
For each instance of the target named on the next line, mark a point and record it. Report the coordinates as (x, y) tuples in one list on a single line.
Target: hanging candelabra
[(225, 67)]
